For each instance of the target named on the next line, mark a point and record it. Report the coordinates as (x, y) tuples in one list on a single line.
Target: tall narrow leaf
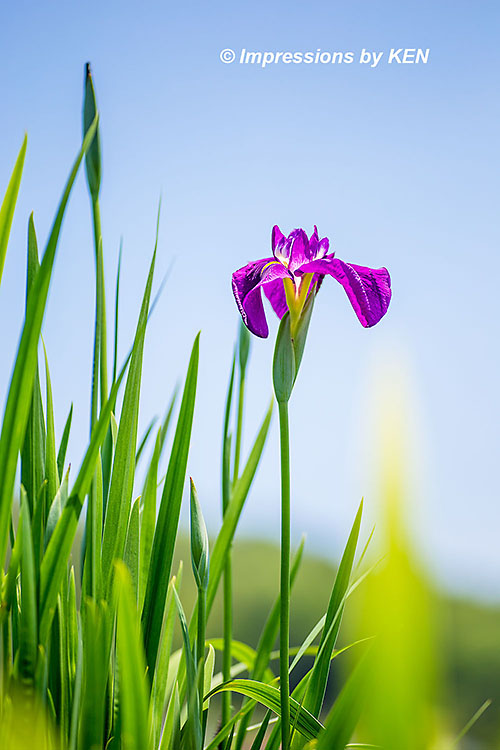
[(168, 517), (122, 478), (21, 385), (9, 203), (132, 666), (33, 450)]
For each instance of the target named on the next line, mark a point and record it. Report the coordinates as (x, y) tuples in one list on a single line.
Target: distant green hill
[(469, 633)]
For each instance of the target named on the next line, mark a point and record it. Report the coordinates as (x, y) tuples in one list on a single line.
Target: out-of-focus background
[(397, 164)]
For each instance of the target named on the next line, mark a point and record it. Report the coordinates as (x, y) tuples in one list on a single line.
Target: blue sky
[(398, 165)]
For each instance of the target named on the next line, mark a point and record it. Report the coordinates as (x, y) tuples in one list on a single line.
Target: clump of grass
[(87, 655)]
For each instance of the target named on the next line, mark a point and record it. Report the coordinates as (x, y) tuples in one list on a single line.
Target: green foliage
[(96, 649)]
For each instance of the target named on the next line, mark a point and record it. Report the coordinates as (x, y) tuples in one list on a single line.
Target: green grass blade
[(305, 723), (28, 625), (117, 310), (132, 665), (477, 715), (63, 446), (260, 736), (233, 511), (319, 676), (192, 728), (51, 470), (96, 643), (122, 478), (21, 385), (243, 653), (267, 640), (9, 583), (226, 534), (56, 555), (148, 518), (172, 728), (131, 554), (92, 577), (33, 450), (168, 516), (56, 508), (208, 675), (344, 716), (9, 204), (144, 440), (159, 692)]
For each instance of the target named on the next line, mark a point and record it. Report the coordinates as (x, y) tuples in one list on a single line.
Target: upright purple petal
[(277, 236), (299, 249), (368, 289), (247, 283)]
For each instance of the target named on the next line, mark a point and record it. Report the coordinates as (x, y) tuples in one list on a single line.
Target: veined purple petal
[(368, 289), (318, 248), (247, 283), (275, 293), (277, 236), (299, 249)]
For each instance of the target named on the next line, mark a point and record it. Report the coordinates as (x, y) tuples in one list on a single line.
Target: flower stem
[(285, 574), (227, 604), (239, 428)]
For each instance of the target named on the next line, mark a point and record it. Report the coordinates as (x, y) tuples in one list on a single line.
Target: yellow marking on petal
[(305, 283), (296, 296), (271, 263)]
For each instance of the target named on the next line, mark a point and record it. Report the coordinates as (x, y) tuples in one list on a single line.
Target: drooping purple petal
[(275, 293), (247, 283), (368, 289)]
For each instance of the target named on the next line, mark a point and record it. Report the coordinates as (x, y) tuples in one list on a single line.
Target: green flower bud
[(199, 542), (288, 351), (93, 155)]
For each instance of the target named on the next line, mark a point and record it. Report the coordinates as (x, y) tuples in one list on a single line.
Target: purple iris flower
[(297, 269)]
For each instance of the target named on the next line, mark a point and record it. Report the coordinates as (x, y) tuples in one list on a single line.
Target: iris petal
[(277, 236), (368, 289), (247, 284)]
